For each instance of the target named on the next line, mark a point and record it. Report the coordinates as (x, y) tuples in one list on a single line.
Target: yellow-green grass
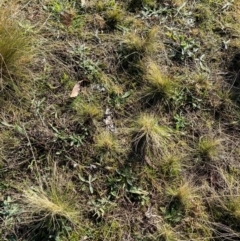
[(105, 141), (136, 44), (185, 194), (157, 85), (209, 147), (15, 45), (88, 109), (52, 204), (150, 138)]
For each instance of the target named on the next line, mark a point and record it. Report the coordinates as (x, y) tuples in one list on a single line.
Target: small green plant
[(121, 182), (101, 206), (139, 4), (124, 184), (118, 100), (180, 121), (64, 14), (56, 6), (183, 47), (88, 181), (91, 69), (9, 210), (149, 13), (71, 139), (173, 214)]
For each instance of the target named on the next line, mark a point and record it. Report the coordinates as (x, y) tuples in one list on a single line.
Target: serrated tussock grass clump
[(158, 86), (184, 194), (167, 233), (209, 147), (150, 138), (109, 84), (87, 109), (224, 204), (113, 17), (146, 45), (170, 165), (105, 141), (9, 143), (15, 46), (133, 47), (51, 204)]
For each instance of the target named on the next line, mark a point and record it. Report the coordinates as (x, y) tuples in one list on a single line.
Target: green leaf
[(81, 178), (90, 178), (19, 129), (126, 94), (55, 129), (91, 189), (94, 179), (138, 191), (6, 124)]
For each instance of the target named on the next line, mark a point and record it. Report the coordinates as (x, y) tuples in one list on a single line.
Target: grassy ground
[(119, 120)]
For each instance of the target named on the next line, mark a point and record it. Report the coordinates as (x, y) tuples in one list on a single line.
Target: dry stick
[(34, 158), (44, 22)]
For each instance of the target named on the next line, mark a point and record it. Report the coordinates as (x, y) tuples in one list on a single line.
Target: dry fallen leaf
[(76, 89)]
